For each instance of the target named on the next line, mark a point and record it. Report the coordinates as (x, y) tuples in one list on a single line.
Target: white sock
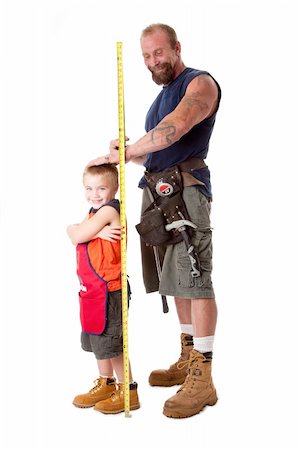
[(187, 328), (203, 344)]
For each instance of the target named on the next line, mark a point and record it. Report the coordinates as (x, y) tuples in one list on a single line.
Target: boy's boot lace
[(103, 389), (116, 402)]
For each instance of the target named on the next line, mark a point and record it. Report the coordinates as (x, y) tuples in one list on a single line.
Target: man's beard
[(165, 76)]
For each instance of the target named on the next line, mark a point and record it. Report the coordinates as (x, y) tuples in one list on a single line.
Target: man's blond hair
[(169, 31)]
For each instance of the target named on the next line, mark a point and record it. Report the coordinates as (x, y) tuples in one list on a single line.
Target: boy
[(99, 271)]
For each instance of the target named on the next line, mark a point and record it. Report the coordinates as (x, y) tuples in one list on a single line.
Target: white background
[(58, 111)]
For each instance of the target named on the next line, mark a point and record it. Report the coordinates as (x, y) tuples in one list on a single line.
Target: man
[(179, 125)]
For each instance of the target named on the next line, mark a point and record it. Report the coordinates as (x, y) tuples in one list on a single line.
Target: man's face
[(159, 57)]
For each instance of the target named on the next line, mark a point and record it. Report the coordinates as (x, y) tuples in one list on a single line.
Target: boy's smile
[(98, 190)]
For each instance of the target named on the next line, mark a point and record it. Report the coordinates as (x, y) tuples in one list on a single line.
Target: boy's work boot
[(196, 392), (116, 402), (104, 387), (175, 374)]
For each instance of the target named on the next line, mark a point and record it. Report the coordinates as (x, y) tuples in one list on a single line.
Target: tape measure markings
[(122, 184)]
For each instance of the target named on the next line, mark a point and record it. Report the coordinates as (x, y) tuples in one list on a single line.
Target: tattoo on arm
[(201, 96), (193, 100), (165, 130)]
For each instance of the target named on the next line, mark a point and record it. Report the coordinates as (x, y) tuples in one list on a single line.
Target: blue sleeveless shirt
[(194, 144)]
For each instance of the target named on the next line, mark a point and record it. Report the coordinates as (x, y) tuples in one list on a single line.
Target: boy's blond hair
[(109, 170)]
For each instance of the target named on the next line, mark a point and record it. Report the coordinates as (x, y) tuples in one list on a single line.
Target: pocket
[(202, 244), (93, 313), (184, 267), (204, 248), (114, 308), (199, 208), (152, 228), (205, 273)]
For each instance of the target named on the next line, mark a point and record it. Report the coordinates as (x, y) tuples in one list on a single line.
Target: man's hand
[(114, 151), (99, 161)]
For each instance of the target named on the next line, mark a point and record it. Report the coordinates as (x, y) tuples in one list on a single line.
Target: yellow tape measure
[(122, 184)]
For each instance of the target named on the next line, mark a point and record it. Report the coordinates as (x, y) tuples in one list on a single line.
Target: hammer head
[(176, 224)]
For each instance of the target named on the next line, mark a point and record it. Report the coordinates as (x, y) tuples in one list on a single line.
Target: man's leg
[(198, 317), (198, 389), (183, 308), (174, 374), (203, 316)]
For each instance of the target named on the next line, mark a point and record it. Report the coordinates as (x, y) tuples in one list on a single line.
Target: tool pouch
[(166, 188)]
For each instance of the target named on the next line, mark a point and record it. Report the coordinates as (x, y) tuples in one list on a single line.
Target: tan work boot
[(104, 387), (116, 403), (197, 391), (174, 375)]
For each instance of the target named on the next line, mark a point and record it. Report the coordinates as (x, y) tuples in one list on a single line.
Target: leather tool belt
[(167, 202)]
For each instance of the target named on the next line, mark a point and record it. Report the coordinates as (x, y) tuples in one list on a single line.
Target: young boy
[(99, 272)]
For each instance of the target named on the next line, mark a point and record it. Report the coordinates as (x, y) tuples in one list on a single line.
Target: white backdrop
[(58, 111)]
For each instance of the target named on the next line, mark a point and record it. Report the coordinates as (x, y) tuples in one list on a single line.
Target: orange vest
[(105, 259), (99, 272)]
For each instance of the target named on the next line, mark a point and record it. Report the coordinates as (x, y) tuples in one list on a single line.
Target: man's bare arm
[(198, 103)]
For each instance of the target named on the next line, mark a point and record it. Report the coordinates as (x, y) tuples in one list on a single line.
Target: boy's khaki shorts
[(110, 343), (176, 279)]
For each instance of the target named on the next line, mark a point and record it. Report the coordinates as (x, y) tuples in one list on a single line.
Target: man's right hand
[(99, 161)]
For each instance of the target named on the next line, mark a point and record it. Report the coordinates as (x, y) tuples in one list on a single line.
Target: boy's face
[(98, 189)]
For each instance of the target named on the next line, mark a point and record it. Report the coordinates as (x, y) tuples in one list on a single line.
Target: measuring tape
[(122, 184)]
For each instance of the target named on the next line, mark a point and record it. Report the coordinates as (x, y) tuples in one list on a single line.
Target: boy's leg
[(105, 368), (104, 386), (116, 403), (118, 366)]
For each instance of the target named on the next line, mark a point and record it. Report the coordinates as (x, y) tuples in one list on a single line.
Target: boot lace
[(98, 384), (187, 363), (194, 373), (182, 359), (117, 393)]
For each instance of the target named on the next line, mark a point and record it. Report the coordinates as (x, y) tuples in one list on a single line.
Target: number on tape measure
[(124, 285)]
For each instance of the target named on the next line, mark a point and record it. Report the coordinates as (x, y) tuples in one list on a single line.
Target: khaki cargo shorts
[(176, 279)]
